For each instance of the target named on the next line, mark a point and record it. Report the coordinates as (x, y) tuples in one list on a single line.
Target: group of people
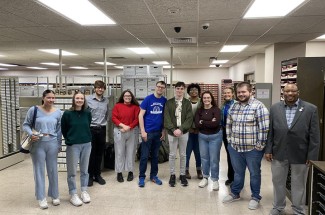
[(288, 136)]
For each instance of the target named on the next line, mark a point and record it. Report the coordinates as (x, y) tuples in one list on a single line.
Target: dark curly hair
[(194, 85)]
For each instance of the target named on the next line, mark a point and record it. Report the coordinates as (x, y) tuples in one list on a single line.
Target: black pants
[(231, 172), (97, 150)]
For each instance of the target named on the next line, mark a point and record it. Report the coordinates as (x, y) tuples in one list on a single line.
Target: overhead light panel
[(118, 67), (1, 55), (233, 48), (160, 62), (51, 64), (321, 37), (57, 52), (271, 8), (80, 11), (107, 63), (167, 67), (142, 50), (8, 65), (3, 68), (36, 67), (219, 61), (78, 67)]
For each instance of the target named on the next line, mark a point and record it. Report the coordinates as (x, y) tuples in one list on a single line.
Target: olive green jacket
[(170, 123)]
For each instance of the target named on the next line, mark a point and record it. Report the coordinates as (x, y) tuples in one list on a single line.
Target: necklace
[(206, 111)]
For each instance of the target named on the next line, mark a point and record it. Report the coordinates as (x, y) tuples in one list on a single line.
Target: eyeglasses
[(161, 87)]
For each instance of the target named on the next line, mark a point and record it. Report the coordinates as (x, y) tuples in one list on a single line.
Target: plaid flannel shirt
[(247, 125)]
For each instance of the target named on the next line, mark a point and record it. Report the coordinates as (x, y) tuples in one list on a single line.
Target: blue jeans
[(152, 145), (75, 153), (193, 145), (252, 159), (210, 146)]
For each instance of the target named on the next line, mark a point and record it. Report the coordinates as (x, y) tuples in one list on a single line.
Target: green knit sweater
[(75, 126)]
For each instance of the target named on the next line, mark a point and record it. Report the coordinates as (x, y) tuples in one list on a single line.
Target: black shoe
[(100, 180), (120, 177), (183, 180), (199, 174), (228, 182), (172, 181), (90, 181), (130, 176)]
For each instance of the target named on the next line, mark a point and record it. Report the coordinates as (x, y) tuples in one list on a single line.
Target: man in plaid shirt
[(247, 128)]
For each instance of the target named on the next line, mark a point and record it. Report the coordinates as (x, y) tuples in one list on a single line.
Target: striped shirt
[(247, 125), (290, 112)]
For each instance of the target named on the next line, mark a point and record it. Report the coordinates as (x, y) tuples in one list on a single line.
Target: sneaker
[(187, 174), (253, 204), (43, 204), (183, 179), (230, 198), (228, 182), (100, 180), (130, 176), (75, 200), (141, 182), (172, 181), (215, 186), (156, 180), (90, 181), (203, 182), (275, 211), (56, 202), (85, 197), (120, 177)]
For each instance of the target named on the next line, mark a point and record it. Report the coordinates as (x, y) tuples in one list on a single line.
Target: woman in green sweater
[(75, 125)]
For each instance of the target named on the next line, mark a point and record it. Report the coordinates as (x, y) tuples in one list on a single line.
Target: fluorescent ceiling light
[(80, 11), (51, 64), (119, 67), (1, 55), (3, 68), (35, 67), (142, 50), (233, 48), (321, 37), (214, 66), (271, 8), (57, 52), (167, 67), (160, 62), (107, 63), (219, 61), (78, 67), (8, 65)]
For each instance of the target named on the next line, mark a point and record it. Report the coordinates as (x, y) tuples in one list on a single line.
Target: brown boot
[(187, 174), (199, 174)]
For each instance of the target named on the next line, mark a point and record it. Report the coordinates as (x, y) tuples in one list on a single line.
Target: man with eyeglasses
[(98, 106), (152, 133), (293, 140)]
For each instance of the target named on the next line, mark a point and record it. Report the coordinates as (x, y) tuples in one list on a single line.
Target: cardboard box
[(141, 93), (128, 82), (141, 70), (141, 83), (128, 70), (155, 70)]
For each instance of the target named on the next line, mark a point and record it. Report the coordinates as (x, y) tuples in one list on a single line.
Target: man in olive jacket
[(293, 140), (178, 119)]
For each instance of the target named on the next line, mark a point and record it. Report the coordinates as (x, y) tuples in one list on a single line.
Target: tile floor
[(17, 194)]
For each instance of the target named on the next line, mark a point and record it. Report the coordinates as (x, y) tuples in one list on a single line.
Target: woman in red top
[(125, 117)]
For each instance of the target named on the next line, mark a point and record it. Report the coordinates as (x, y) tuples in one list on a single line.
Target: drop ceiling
[(26, 26)]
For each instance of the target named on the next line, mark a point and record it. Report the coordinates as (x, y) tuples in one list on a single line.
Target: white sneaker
[(56, 202), (203, 182), (85, 197), (215, 185), (253, 204), (43, 204), (75, 200)]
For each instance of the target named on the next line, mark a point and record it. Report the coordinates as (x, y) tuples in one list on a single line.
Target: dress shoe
[(228, 182), (199, 174), (130, 176), (187, 174), (120, 177), (99, 180)]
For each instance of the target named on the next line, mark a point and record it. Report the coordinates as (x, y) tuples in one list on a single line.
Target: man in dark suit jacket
[(293, 140)]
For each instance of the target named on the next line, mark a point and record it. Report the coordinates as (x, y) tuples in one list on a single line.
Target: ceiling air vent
[(183, 40)]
